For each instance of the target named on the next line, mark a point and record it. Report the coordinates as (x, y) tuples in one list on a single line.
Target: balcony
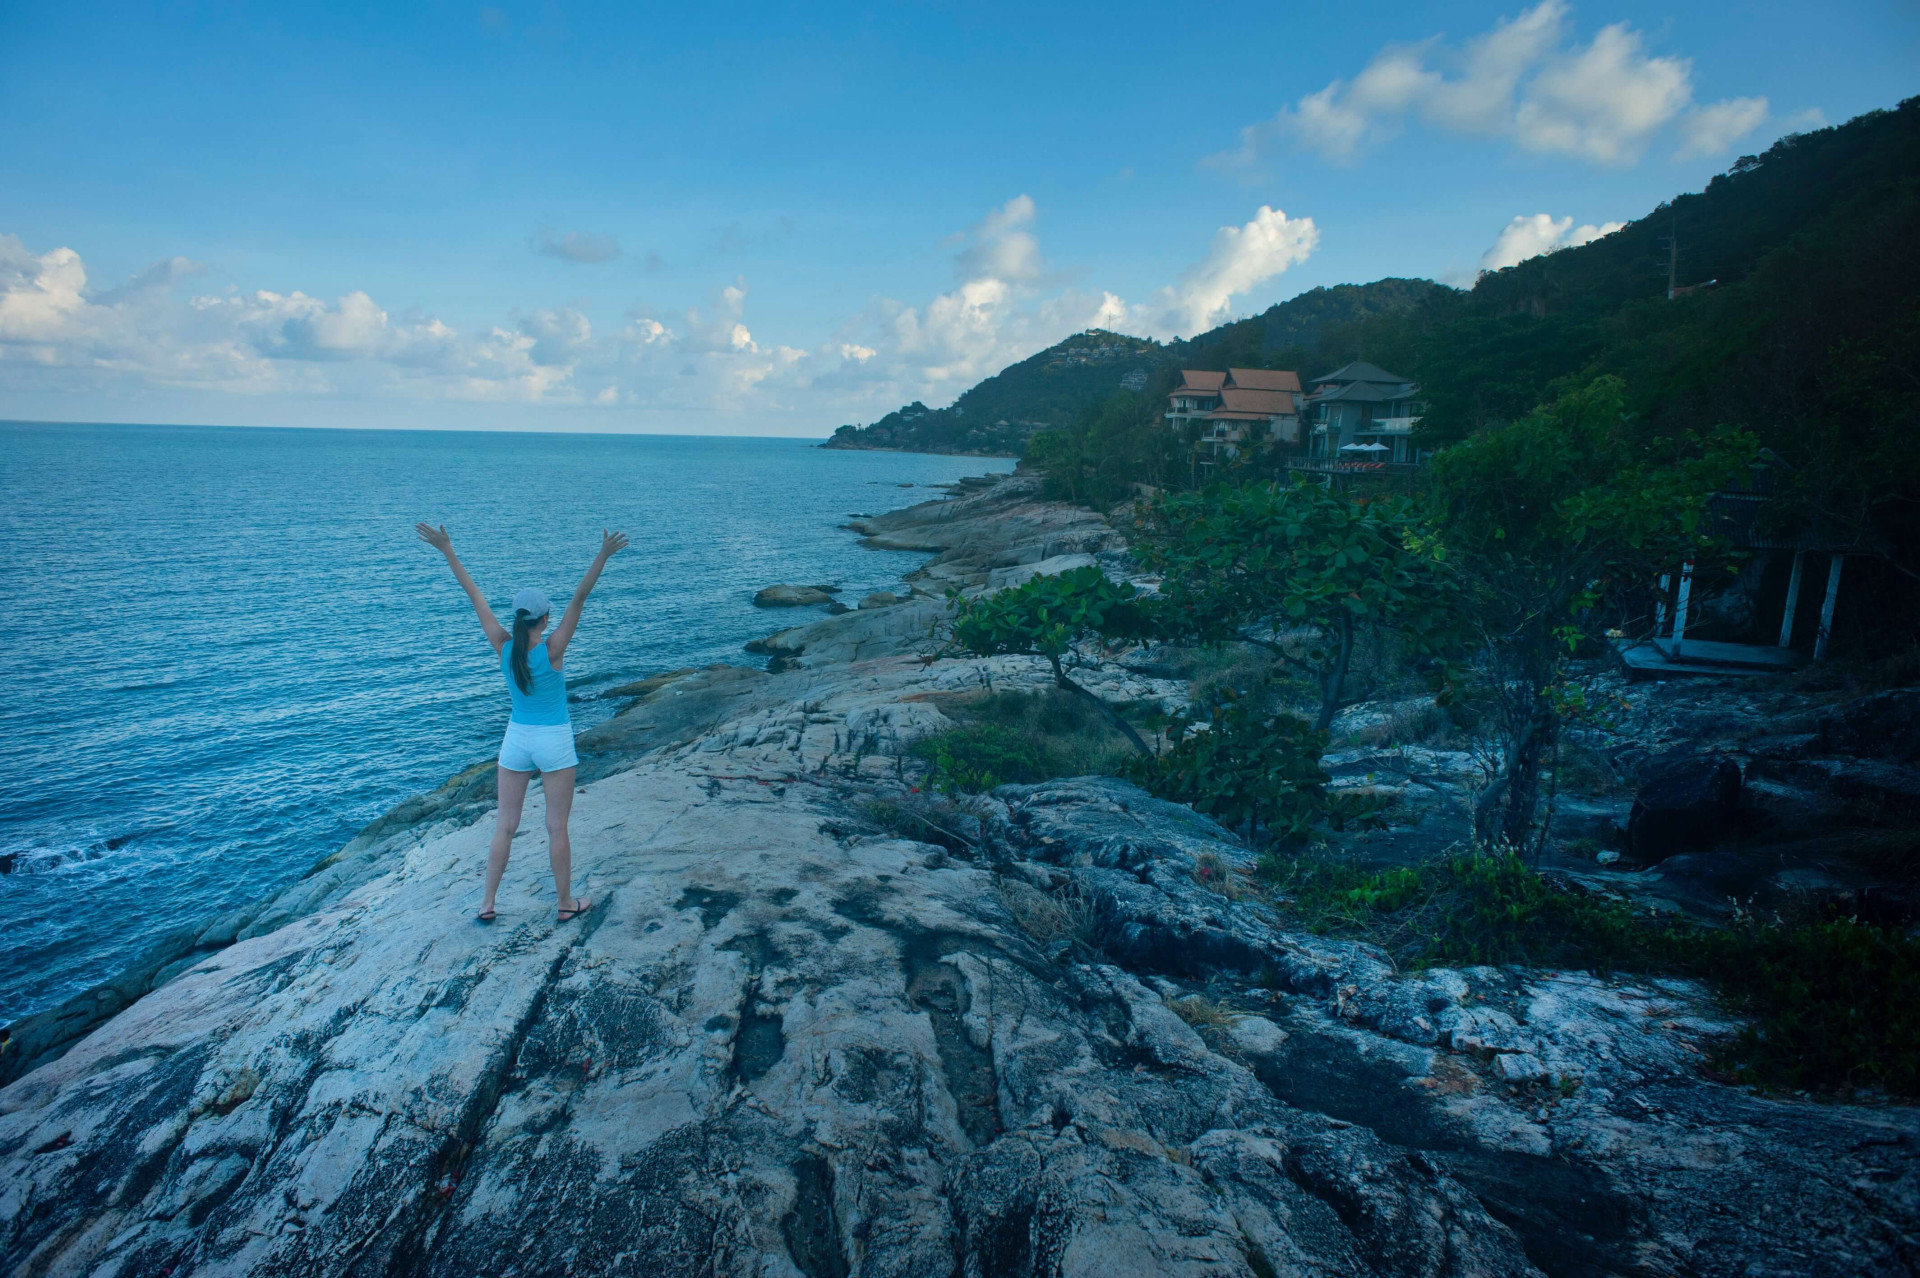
[(1329, 466)]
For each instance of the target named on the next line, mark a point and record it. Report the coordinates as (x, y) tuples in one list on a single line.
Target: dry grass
[(1203, 1013), (1408, 723), (1064, 914)]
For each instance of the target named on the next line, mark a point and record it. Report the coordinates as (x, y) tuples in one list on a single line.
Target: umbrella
[(1363, 448)]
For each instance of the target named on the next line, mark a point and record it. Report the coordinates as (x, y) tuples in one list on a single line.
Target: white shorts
[(547, 747)]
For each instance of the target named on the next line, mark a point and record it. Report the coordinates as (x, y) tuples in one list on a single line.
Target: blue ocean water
[(230, 652)]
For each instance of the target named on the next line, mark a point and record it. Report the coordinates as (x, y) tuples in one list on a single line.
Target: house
[(1775, 613), (1229, 410), (1363, 414)]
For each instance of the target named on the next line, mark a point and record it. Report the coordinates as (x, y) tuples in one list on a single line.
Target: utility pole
[(1673, 258)]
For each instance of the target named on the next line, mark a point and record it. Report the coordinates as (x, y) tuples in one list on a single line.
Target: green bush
[(1248, 769), (1020, 738), (1831, 1003), (1464, 909), (977, 757)]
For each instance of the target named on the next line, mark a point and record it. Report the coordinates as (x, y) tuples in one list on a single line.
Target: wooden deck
[(1660, 658)]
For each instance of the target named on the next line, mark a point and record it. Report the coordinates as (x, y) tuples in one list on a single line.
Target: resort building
[(1363, 414), (1231, 409)]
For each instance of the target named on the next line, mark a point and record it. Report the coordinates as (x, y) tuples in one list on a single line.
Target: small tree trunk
[(1333, 679), (1506, 807), (1111, 715)]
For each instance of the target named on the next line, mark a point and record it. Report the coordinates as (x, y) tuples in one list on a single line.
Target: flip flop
[(484, 916), (568, 916)]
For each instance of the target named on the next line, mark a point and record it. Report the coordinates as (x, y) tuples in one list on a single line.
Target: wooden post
[(1680, 606), (1660, 603), (1826, 609), (1793, 598)]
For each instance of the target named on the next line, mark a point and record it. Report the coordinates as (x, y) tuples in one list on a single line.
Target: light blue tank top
[(547, 703)]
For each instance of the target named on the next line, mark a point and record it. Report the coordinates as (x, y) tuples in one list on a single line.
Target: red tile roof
[(1268, 379), (1199, 379), (1267, 403)]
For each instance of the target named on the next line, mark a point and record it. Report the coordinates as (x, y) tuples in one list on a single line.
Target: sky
[(775, 219)]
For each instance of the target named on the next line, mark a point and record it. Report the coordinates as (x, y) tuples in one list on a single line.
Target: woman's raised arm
[(611, 544), (441, 541)]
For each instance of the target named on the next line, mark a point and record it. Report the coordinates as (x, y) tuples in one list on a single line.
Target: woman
[(540, 733)]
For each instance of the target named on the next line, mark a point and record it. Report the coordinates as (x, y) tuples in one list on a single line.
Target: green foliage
[(1580, 490), (1019, 738), (1248, 768), (1830, 1001), (1266, 559), (1467, 908), (1108, 447), (1047, 615), (1543, 517), (979, 756)]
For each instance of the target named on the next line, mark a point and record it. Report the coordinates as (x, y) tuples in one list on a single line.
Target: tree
[(1545, 517), (1047, 617), (1248, 768), (1301, 571)]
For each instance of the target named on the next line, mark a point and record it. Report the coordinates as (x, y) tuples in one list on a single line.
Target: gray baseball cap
[(532, 602)]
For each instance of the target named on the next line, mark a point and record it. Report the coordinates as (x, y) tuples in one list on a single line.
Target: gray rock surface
[(790, 1040)]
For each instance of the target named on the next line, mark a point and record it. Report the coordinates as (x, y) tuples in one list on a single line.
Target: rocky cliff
[(791, 1040)]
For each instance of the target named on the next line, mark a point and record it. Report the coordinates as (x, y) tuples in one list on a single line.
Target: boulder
[(794, 596), (1885, 725), (1686, 802), (880, 599)]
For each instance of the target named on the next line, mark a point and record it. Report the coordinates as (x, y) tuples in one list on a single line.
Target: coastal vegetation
[(1795, 320), (1828, 997), (1047, 617), (1580, 420), (1300, 571), (1017, 738)]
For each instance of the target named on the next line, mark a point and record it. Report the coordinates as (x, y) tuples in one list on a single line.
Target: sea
[(230, 652)]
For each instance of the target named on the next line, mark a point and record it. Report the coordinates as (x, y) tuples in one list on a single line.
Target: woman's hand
[(611, 544), (438, 538)]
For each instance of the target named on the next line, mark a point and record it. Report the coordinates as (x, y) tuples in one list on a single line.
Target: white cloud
[(1522, 80), (1588, 233), (559, 336), (1712, 130), (1531, 235), (57, 334), (1000, 246), (1240, 258), (41, 298)]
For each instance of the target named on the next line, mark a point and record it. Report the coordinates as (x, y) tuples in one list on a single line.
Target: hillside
[(996, 416), (1808, 339), (1048, 390)]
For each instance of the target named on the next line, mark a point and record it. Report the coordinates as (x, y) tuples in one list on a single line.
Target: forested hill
[(998, 415), (1796, 320)]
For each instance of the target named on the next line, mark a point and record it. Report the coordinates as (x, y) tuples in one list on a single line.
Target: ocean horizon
[(238, 653)]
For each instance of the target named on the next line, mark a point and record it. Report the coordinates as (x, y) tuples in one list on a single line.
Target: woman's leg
[(513, 796), (558, 786)]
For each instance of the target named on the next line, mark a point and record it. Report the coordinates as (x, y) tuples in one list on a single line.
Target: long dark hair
[(523, 624)]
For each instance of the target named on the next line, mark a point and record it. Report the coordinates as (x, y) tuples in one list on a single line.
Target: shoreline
[(464, 797), (794, 1036), (829, 445)]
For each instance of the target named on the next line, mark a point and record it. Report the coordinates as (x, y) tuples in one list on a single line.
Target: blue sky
[(761, 219)]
